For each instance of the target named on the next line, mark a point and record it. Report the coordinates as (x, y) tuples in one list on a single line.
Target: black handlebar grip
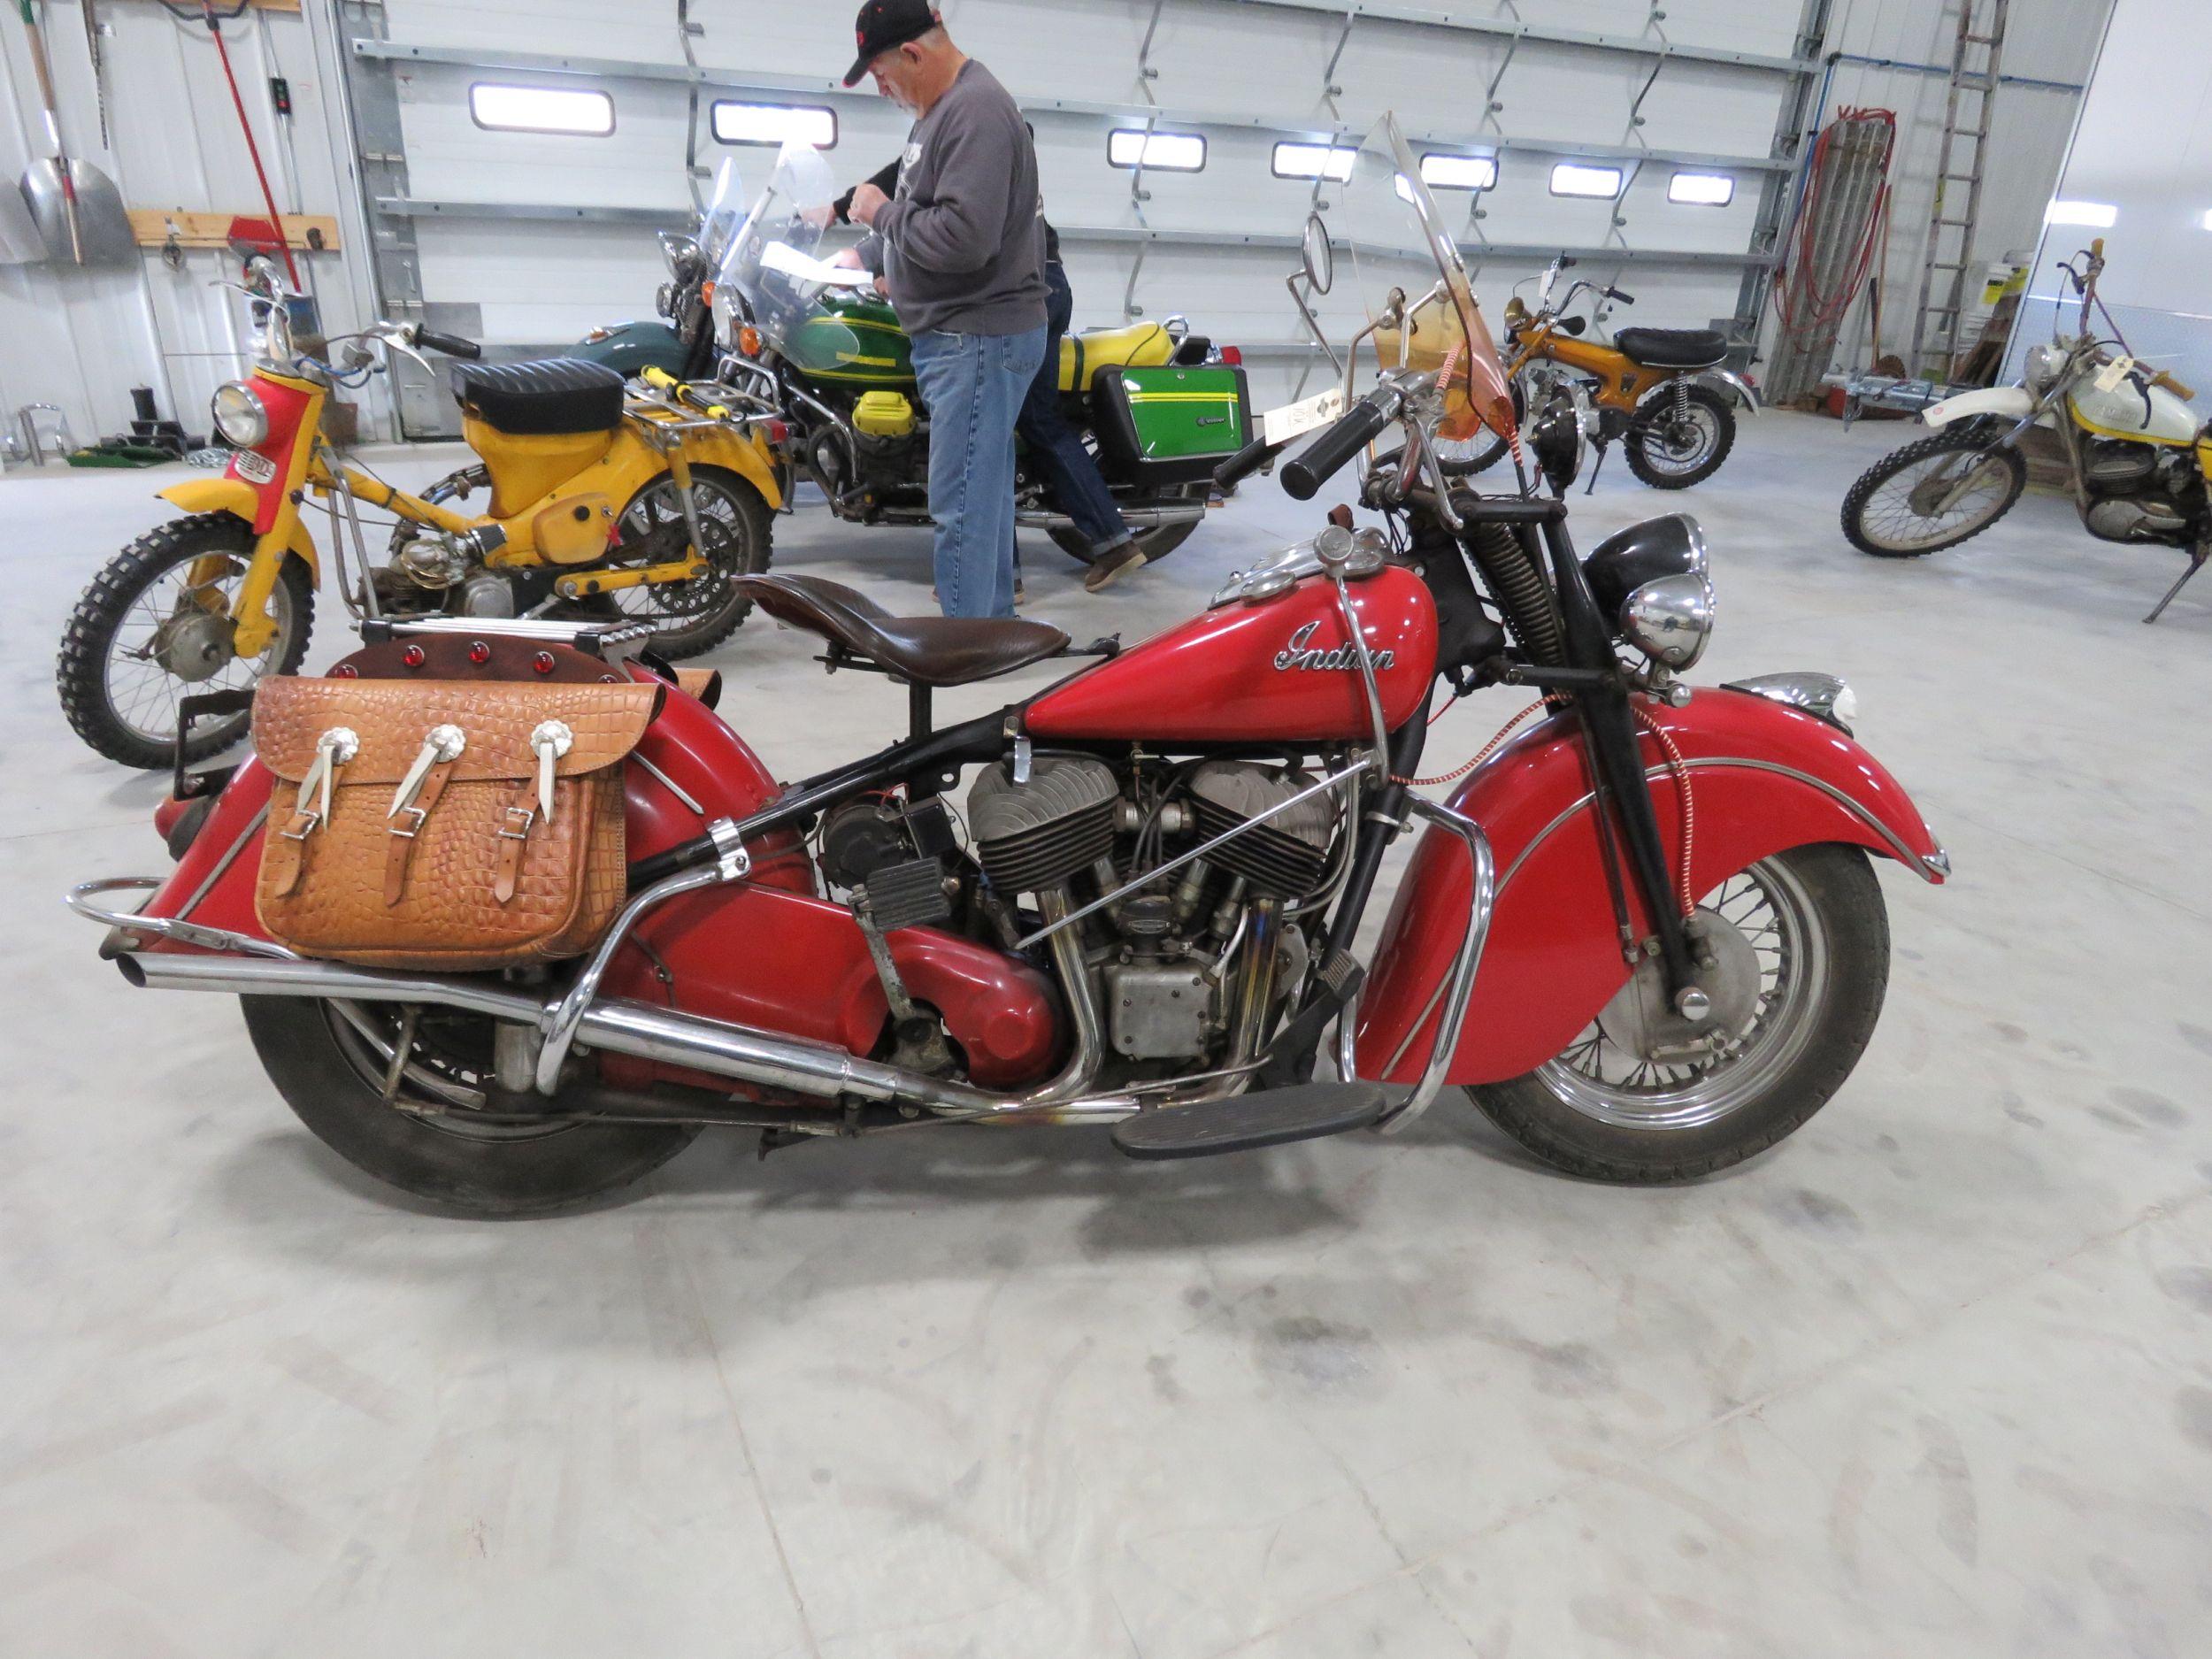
[(1244, 463), (452, 345), (1329, 454), (1619, 298)]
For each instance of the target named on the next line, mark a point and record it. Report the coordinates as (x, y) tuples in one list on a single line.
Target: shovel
[(79, 216)]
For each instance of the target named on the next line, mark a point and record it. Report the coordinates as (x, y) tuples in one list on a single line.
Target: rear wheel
[(1801, 943), (330, 1061), (1680, 437), (692, 616), (155, 628), (1155, 544), (1934, 494)]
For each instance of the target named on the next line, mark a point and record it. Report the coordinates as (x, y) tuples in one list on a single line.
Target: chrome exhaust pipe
[(793, 1065), (1135, 517)]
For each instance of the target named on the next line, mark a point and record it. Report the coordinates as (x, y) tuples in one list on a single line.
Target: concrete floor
[(1934, 1377)]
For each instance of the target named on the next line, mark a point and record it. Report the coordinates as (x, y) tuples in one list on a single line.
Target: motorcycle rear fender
[(1721, 380), (2006, 402), (242, 500), (1765, 778)]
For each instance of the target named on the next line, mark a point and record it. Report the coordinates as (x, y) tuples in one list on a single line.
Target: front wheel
[(1463, 457), (1801, 948), (330, 1061), (1933, 494), (155, 628), (1680, 437)]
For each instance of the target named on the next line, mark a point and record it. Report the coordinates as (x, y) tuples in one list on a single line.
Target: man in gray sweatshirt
[(963, 247)]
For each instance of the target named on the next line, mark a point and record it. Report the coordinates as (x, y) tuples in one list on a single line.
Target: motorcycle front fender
[(1764, 778), (2006, 402), (1721, 380), (242, 500)]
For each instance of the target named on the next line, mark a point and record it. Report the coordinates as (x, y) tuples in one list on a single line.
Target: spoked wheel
[(1800, 945), (692, 616), (155, 628), (1680, 437), (1932, 494), (1155, 544), (334, 1064), (1463, 457)]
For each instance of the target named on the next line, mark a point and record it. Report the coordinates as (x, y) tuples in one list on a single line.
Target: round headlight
[(1670, 620), (239, 417), (2038, 367)]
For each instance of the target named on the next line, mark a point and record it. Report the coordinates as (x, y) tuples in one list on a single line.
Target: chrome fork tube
[(1255, 980)]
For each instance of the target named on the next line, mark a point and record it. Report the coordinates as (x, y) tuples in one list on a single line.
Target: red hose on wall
[(1806, 309)]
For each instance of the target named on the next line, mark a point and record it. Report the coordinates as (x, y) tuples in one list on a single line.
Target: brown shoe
[(1111, 565)]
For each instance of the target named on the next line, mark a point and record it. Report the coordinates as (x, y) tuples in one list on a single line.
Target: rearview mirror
[(1319, 255)]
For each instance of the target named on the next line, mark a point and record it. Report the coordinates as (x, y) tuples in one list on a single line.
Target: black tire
[(317, 1062), (1714, 417), (96, 629), (740, 530), (1157, 544), (1485, 449), (1839, 1020), (1952, 441)]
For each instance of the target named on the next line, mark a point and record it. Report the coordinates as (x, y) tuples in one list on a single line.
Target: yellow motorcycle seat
[(1082, 356)]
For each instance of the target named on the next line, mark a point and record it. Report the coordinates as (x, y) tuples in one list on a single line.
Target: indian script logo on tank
[(1303, 655)]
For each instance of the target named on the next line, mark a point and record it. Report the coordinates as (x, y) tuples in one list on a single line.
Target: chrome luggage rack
[(593, 638)]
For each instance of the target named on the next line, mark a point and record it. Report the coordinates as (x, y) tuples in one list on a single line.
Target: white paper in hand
[(1293, 420), (789, 261)]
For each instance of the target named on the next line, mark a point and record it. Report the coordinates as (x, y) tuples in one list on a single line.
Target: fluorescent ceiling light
[(1573, 178), (1163, 152), (542, 109), (1314, 161), (1701, 189), (1460, 172), (774, 124), (2099, 215)]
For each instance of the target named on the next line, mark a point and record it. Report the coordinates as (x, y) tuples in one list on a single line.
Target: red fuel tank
[(1282, 669)]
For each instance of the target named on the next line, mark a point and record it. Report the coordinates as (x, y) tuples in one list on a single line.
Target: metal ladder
[(1935, 330)]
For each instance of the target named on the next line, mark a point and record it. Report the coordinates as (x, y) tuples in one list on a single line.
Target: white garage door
[(527, 238)]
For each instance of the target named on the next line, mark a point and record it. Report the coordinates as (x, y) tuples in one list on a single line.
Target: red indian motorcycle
[(1644, 934)]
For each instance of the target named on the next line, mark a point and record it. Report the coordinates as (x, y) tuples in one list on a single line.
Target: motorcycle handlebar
[(1619, 298), (451, 345), (1330, 453), (1245, 462)]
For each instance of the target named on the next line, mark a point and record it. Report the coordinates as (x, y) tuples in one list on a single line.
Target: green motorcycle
[(750, 307)]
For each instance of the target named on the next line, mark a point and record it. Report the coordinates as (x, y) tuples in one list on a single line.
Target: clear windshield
[(726, 211), (769, 258), (1390, 236)]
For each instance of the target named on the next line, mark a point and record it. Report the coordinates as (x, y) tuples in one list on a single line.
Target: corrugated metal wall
[(82, 339)]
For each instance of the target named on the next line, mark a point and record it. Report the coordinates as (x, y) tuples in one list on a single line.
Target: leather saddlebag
[(444, 825)]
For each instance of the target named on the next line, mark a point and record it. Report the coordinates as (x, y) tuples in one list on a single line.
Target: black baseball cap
[(885, 24)]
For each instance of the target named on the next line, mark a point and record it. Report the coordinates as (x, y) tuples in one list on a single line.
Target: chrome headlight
[(1670, 620), (2040, 368), (1671, 546), (239, 417)]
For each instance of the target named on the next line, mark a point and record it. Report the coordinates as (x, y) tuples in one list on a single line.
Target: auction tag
[(2114, 374), (1280, 425), (253, 467)]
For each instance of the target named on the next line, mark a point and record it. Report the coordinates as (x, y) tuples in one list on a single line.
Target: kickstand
[(2196, 563), (1591, 489)]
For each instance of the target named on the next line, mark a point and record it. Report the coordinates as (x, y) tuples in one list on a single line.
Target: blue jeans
[(1065, 467), (973, 385)]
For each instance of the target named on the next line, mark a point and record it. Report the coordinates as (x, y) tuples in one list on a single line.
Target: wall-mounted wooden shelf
[(308, 233)]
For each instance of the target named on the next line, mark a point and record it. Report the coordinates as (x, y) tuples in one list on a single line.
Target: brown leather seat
[(926, 650)]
